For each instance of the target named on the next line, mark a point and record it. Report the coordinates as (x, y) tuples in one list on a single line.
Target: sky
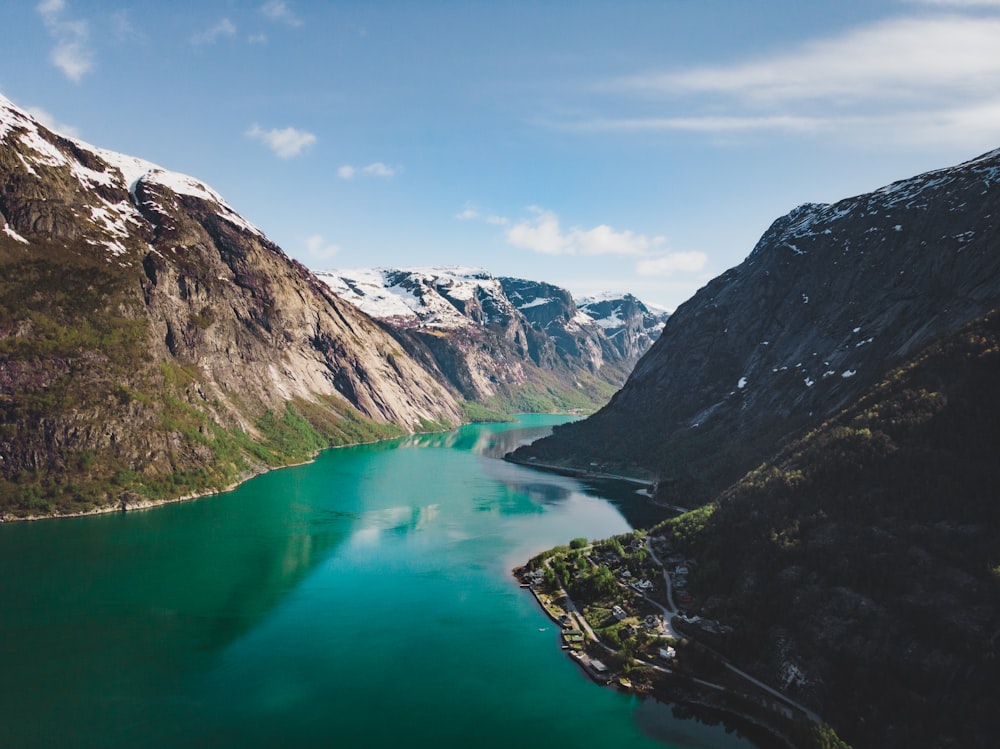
[(623, 145)]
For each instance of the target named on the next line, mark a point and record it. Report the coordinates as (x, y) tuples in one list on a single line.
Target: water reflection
[(121, 605)]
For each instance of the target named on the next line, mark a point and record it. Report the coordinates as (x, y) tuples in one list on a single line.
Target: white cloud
[(958, 3), (543, 233), (224, 27), (51, 123), (286, 142), (260, 38), (471, 212), (278, 10), (898, 60), (377, 169), (72, 53), (319, 249), (895, 78), (711, 124), (674, 262)]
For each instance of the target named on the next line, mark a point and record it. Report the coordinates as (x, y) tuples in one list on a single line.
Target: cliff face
[(501, 341), (830, 298), (155, 343)]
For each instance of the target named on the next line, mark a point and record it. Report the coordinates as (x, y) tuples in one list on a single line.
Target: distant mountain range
[(155, 344), (505, 341)]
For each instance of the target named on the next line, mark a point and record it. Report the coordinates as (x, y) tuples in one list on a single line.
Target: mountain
[(829, 300), (858, 569), (631, 326), (504, 342), (154, 343)]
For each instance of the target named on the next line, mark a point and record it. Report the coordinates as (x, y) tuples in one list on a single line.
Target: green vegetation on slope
[(857, 567)]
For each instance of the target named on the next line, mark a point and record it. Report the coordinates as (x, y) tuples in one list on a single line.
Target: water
[(362, 600)]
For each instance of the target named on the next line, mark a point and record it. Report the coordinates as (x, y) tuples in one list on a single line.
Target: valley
[(778, 511)]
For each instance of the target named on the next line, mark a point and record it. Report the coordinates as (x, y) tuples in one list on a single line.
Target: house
[(668, 653), (618, 613)]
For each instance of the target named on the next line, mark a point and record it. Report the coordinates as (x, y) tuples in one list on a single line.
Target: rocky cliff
[(154, 343), (505, 342), (831, 298)]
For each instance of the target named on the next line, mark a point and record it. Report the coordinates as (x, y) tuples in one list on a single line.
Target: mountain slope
[(859, 567), (507, 342), (830, 298), (154, 343)]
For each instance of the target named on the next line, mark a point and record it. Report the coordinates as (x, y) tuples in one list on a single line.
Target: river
[(364, 599)]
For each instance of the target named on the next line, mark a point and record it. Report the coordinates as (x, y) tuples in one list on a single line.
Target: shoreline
[(579, 472), (762, 721), (124, 506), (148, 504)]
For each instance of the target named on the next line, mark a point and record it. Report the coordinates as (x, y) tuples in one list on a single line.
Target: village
[(628, 619), (615, 603)]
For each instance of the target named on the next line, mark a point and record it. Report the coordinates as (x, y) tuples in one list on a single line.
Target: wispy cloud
[(72, 53), (51, 123), (377, 169), (280, 11), (285, 143), (900, 73), (895, 60), (123, 29), (319, 249), (223, 28), (957, 3), (471, 212), (671, 263)]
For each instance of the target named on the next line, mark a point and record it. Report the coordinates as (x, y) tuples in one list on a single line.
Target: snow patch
[(13, 234)]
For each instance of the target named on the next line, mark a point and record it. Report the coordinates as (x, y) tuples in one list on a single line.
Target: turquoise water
[(362, 600)]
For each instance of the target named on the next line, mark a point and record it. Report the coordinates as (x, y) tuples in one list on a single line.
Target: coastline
[(122, 505), (763, 715), (579, 472)]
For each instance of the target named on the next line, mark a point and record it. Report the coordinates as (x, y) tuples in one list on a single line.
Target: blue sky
[(621, 145)]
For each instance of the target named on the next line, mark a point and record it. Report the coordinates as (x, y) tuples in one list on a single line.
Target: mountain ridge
[(830, 298), (156, 344), (490, 335)]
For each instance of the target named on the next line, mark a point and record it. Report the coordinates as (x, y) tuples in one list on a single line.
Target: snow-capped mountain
[(629, 324), (499, 329), (440, 297), (831, 297), (147, 326)]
